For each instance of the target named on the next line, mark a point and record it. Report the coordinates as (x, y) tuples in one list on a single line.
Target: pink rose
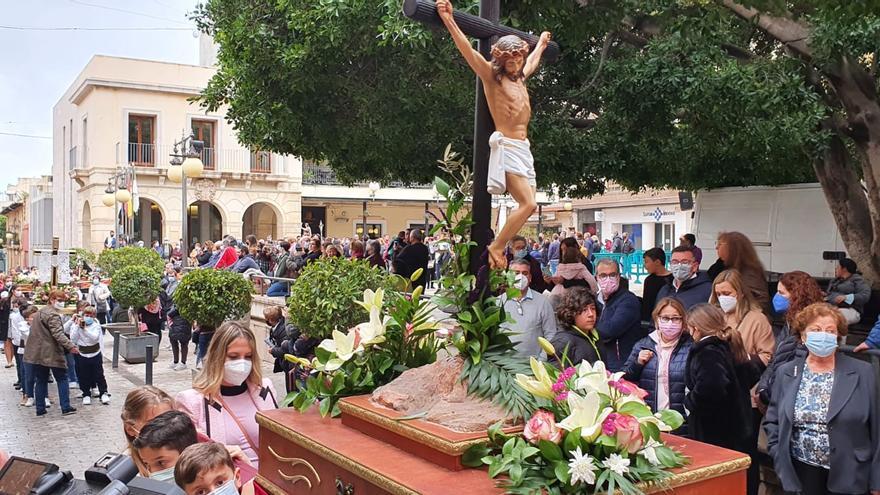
[(626, 430), (629, 388), (542, 426)]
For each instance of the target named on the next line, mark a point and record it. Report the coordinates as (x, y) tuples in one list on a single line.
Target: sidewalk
[(75, 442)]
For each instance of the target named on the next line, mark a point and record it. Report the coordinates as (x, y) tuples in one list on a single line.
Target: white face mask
[(58, 305), (521, 282), (727, 303), (163, 475), (236, 371)]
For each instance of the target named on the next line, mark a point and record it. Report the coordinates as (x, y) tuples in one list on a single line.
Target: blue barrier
[(632, 265)]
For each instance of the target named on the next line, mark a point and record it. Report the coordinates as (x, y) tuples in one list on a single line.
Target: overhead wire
[(124, 11), (77, 28), (15, 134)]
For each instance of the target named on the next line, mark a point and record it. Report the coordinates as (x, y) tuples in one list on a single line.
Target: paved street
[(75, 442)]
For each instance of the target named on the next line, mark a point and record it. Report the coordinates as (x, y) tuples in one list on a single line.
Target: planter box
[(122, 328), (133, 348)]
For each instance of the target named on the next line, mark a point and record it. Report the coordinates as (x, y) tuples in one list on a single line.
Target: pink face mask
[(670, 330), (609, 285)]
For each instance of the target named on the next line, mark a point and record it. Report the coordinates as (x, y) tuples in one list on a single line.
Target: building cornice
[(91, 83)]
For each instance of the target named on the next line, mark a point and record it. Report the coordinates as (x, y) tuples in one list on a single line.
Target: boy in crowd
[(207, 469), (161, 441)]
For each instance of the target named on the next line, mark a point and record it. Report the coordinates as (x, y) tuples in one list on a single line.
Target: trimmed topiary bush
[(135, 286), (322, 298), (112, 260), (211, 297)]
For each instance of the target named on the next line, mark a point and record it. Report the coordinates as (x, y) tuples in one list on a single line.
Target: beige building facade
[(28, 211), (124, 115)]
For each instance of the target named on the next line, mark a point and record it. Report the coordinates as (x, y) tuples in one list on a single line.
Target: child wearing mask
[(161, 441), (22, 331), (85, 333), (207, 469)]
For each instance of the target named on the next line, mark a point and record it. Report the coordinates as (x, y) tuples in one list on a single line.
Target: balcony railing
[(322, 175), (142, 154), (239, 161)]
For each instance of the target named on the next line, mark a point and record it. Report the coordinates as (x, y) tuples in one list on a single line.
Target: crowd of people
[(748, 372)]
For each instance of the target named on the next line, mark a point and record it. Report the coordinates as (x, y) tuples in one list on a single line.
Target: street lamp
[(109, 198), (185, 162), (116, 193), (374, 188)]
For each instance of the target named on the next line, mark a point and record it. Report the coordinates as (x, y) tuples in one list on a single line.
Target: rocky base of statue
[(437, 392)]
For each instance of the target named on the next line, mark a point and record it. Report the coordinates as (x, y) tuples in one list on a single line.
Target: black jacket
[(413, 257), (720, 408), (180, 328), (788, 349), (280, 333), (692, 291), (579, 347), (620, 326), (646, 376), (853, 426)]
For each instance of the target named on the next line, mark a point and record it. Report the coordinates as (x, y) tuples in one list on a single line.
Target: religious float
[(400, 405)]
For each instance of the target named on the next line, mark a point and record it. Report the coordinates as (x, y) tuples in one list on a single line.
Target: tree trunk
[(855, 89)]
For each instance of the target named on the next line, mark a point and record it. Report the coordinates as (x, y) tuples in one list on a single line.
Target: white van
[(790, 226)]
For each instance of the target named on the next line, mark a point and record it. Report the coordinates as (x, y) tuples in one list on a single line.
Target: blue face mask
[(522, 253), (822, 344), (780, 303), (88, 320), (227, 488)]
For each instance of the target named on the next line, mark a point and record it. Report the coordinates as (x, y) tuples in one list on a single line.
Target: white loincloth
[(508, 155)]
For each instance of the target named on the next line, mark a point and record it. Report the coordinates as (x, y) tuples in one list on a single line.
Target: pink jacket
[(193, 404), (571, 271)]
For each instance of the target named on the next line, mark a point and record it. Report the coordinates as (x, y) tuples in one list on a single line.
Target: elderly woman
[(658, 362), (823, 423), (577, 338)]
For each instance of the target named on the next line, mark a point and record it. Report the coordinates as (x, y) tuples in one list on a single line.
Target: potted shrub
[(112, 260), (322, 299), (134, 287), (210, 297)]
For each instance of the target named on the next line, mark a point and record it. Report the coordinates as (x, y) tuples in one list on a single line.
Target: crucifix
[(510, 158)]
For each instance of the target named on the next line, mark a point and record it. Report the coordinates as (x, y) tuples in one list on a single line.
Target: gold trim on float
[(334, 457), (294, 479), (269, 486), (700, 474), (294, 461), (404, 429)]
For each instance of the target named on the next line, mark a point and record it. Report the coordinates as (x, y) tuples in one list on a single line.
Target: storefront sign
[(658, 214)]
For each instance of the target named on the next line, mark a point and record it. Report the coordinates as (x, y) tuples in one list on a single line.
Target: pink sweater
[(223, 428), (572, 271)]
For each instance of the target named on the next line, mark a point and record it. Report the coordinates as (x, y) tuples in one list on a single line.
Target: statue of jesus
[(511, 165)]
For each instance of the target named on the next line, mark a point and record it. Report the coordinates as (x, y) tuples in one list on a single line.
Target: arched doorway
[(148, 222), (86, 242), (205, 222), (260, 220)]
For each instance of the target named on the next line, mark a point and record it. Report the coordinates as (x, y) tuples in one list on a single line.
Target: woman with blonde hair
[(718, 404), (743, 313), (230, 390)]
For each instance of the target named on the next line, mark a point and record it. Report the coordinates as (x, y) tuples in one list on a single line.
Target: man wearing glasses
[(619, 324), (688, 285), (531, 312)]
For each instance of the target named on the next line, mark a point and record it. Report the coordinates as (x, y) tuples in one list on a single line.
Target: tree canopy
[(686, 94)]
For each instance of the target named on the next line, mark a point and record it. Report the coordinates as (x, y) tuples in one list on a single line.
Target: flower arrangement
[(399, 335), (41, 294), (593, 432)]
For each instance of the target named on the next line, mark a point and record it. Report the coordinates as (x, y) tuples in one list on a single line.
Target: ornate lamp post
[(185, 162), (374, 188)]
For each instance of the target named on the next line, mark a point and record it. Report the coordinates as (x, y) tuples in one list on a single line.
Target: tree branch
[(632, 38), (585, 124), (737, 52), (789, 32), (606, 47)]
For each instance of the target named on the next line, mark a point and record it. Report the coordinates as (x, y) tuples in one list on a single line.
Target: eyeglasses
[(680, 262), (607, 276), (670, 319)]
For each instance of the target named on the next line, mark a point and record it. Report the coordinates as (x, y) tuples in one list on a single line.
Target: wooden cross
[(484, 28)]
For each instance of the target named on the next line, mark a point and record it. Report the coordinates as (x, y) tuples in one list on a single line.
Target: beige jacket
[(46, 343), (757, 335)]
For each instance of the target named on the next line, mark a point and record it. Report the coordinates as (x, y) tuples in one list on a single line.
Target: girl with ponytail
[(719, 407)]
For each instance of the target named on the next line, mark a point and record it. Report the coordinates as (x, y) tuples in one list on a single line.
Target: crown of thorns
[(508, 46)]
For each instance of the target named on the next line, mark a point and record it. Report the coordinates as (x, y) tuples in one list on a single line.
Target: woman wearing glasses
[(823, 423), (658, 362)]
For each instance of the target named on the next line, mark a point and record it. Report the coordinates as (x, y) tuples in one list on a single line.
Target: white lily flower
[(373, 331), (582, 468), (343, 346), (539, 386), (372, 299), (650, 452), (585, 414), (594, 377)]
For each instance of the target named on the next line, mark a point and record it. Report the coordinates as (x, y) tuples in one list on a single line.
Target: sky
[(37, 65)]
